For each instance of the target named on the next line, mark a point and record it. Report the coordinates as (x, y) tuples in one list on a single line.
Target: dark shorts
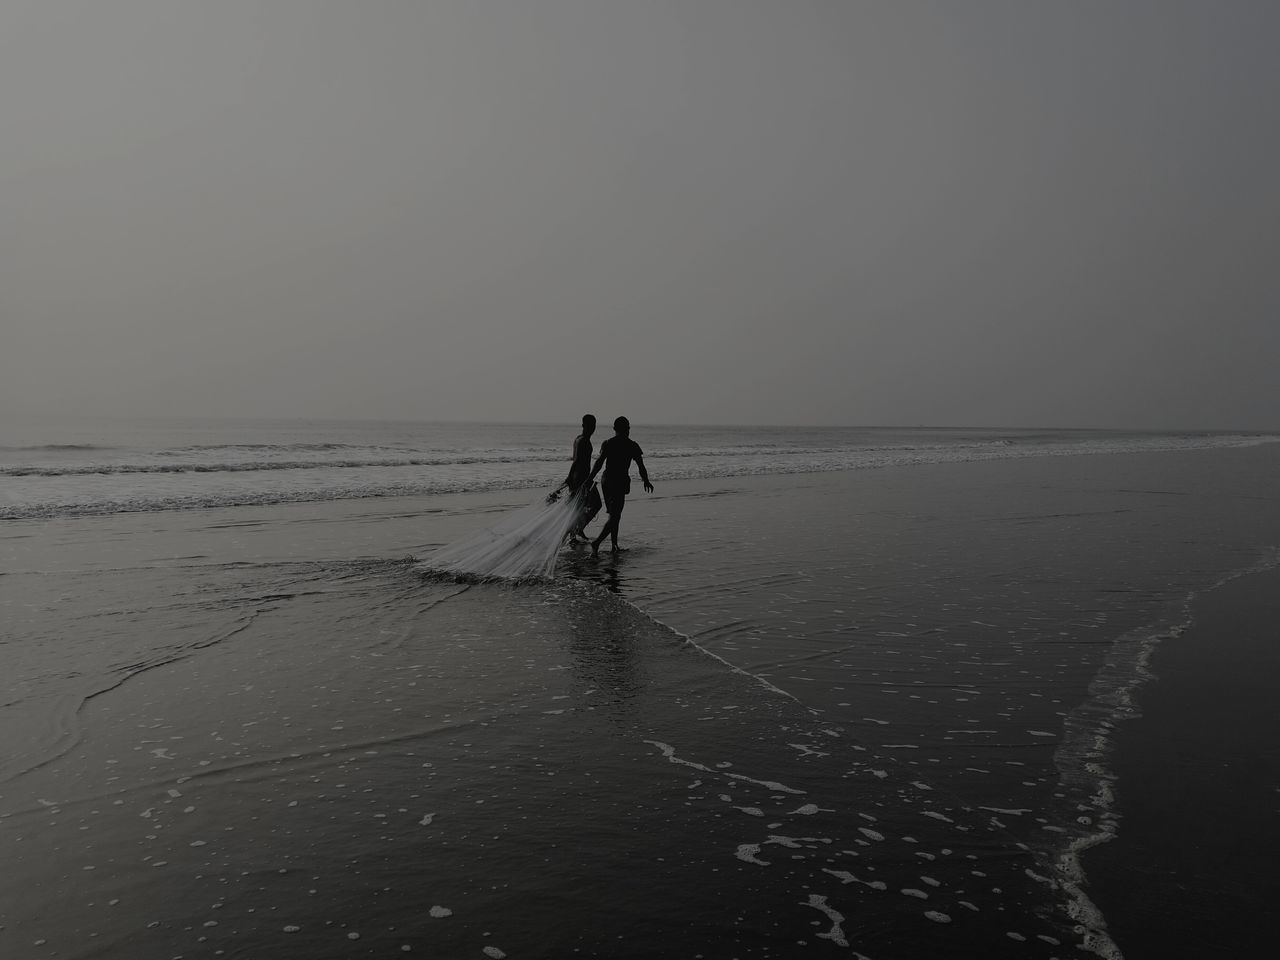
[(615, 494)]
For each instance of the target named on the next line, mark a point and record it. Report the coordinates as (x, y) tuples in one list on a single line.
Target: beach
[(890, 711), (1200, 764)]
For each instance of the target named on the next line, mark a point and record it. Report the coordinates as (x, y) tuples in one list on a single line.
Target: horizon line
[(778, 425)]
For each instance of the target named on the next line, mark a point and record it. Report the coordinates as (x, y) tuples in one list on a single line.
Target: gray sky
[(998, 213)]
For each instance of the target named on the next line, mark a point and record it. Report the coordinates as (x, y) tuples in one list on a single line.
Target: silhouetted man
[(616, 455), (578, 471)]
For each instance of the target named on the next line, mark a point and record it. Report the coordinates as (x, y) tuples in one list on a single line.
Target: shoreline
[(1175, 878)]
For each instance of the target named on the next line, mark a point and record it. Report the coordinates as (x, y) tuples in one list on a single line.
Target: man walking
[(589, 498), (616, 455)]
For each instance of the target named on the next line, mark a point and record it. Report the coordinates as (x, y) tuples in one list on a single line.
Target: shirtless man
[(616, 455), (578, 471)]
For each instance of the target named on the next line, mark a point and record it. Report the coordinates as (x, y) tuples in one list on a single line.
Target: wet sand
[(1192, 869)]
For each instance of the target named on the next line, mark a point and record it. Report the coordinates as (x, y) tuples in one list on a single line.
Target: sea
[(847, 691), (74, 467)]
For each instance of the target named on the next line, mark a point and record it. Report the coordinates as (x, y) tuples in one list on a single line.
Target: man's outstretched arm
[(644, 475), (596, 468)]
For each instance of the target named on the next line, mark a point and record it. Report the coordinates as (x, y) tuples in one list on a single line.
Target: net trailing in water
[(521, 545)]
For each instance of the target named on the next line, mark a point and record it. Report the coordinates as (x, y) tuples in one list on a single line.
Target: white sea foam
[(748, 853), (809, 809), (836, 933), (669, 752)]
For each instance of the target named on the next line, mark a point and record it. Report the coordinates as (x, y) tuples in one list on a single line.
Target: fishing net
[(521, 545)]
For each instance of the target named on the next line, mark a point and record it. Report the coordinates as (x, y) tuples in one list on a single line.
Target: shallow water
[(553, 768), (878, 739)]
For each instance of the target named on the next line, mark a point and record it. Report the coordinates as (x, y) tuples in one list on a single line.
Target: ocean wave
[(89, 469), (267, 446), (248, 498), (55, 446), (775, 449), (454, 458)]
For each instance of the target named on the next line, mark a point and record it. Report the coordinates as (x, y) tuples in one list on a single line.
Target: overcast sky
[(965, 213)]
